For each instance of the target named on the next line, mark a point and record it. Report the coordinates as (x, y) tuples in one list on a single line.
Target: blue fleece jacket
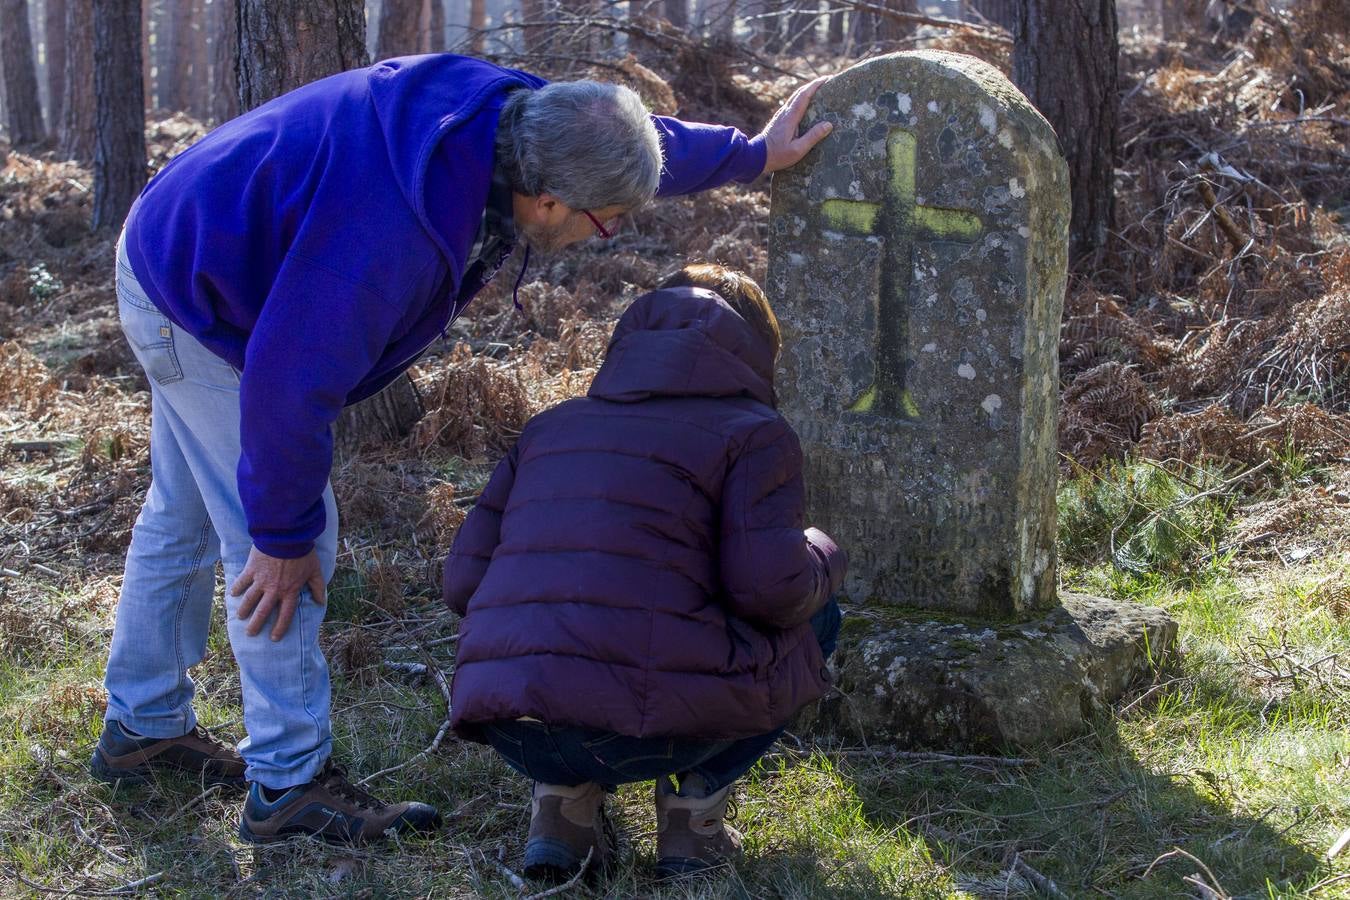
[(318, 244)]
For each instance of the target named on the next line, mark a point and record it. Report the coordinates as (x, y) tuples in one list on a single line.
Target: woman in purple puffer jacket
[(640, 600)]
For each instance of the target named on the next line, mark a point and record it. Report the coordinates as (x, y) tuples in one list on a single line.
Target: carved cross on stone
[(899, 221)]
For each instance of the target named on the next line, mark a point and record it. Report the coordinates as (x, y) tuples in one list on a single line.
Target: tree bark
[(22, 103), (398, 28), (537, 38), (176, 76), (54, 30), (76, 130), (1064, 59), (282, 45), (385, 417), (286, 43), (477, 23), (435, 14), (998, 12), (224, 101), (836, 33), (889, 29), (119, 111), (802, 25)]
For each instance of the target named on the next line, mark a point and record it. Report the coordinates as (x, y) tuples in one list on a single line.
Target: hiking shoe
[(566, 823), (691, 830), (330, 808), (123, 756)]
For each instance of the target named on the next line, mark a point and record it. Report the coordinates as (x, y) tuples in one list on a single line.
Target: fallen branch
[(1239, 239), (94, 842), (429, 667), (1042, 882)]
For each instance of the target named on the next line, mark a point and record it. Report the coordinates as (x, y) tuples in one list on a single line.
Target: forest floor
[(1206, 448)]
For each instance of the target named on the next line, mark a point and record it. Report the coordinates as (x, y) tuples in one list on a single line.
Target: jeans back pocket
[(150, 334)]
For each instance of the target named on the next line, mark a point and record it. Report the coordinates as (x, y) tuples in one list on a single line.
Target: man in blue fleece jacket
[(295, 260)]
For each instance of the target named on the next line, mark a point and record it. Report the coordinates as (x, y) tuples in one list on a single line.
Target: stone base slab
[(980, 687)]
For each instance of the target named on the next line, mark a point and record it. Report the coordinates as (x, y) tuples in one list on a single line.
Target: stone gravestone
[(918, 260)]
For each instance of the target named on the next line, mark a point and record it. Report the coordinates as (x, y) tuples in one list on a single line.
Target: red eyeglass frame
[(599, 226)]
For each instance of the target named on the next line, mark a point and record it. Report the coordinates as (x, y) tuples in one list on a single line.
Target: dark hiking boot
[(691, 830), (330, 808), (566, 823), (132, 759)]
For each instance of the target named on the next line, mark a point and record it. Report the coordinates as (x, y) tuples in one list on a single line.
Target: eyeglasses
[(599, 226)]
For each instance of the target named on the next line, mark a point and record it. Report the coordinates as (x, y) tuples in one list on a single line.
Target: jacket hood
[(684, 342), (418, 99)]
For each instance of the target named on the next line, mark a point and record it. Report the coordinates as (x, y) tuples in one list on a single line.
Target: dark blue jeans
[(571, 755)]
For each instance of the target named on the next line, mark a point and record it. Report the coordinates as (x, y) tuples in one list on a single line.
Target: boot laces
[(335, 782)]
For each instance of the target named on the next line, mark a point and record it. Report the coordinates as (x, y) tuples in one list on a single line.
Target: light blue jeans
[(193, 517)]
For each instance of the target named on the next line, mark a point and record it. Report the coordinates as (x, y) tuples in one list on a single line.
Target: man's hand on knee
[(784, 147), (269, 583)]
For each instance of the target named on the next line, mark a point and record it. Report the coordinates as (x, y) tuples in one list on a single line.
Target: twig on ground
[(130, 887), (569, 883), (1042, 882), (207, 792), (428, 667), (94, 842), (500, 863), (1210, 891)]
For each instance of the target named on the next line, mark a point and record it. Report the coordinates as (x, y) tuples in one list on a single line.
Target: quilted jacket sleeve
[(773, 572), (478, 537)]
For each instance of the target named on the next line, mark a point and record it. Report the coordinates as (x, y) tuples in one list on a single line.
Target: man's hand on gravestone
[(270, 583), (784, 147)]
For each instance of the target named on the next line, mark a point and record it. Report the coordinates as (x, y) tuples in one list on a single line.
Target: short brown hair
[(741, 294)]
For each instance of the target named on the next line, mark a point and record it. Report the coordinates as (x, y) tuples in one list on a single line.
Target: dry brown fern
[(1211, 433), (474, 404), (1097, 328), (1103, 411)]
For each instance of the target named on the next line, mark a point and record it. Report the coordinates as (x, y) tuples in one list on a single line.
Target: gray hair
[(588, 143)]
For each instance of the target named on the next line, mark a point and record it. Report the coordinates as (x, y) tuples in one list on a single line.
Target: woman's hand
[(780, 135)]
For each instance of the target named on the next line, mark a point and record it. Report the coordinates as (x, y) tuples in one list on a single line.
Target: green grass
[(1238, 756)]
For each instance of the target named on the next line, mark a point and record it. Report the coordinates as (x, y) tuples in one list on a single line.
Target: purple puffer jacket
[(637, 562)]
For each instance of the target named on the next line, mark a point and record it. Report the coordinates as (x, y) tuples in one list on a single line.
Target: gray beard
[(543, 238)]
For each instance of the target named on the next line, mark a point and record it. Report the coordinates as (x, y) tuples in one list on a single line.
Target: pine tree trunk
[(22, 103), (119, 111), (889, 29), (282, 45), (224, 101), (802, 25), (836, 36), (998, 12), (539, 37), (436, 26), (1065, 55), (147, 55), (398, 28), (387, 416), (176, 75), (286, 43), (477, 23), (54, 28), (76, 130)]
